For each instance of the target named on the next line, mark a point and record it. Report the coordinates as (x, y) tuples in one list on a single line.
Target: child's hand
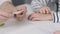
[(40, 17), (4, 15), (57, 32), (21, 15), (44, 10)]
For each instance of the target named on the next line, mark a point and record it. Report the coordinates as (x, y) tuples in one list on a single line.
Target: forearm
[(8, 6)]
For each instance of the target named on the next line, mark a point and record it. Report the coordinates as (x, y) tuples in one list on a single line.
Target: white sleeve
[(56, 17), (2, 1), (59, 16), (37, 4)]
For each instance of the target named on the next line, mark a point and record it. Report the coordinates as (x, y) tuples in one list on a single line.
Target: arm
[(8, 6)]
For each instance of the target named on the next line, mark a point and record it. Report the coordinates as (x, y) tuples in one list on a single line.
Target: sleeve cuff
[(59, 16), (56, 17)]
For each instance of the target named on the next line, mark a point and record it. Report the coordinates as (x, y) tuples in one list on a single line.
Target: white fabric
[(59, 16), (59, 5), (55, 17), (37, 4)]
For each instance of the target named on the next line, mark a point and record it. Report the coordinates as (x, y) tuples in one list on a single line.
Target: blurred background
[(28, 1), (19, 2)]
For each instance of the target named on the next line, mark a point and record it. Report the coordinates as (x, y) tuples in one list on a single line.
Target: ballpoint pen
[(18, 12)]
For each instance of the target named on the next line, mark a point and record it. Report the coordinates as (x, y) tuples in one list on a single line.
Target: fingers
[(5, 14), (44, 10), (20, 18), (40, 17), (41, 11), (21, 15), (29, 17), (20, 8), (32, 16), (48, 11), (3, 19), (23, 10), (35, 17)]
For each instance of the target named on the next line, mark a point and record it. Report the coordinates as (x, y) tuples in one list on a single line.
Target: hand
[(44, 10), (57, 32), (21, 15), (40, 17), (4, 16)]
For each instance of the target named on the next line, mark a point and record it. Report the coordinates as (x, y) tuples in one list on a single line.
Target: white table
[(29, 27)]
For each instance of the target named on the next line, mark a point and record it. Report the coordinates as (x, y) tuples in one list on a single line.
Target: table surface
[(37, 27)]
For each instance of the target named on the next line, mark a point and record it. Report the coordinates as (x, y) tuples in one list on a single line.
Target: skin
[(4, 15), (40, 17), (57, 32), (7, 9), (21, 15), (44, 10), (43, 14)]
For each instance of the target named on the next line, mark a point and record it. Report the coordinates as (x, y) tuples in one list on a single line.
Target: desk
[(30, 27)]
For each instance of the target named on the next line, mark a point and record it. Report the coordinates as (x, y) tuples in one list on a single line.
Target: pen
[(18, 12)]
